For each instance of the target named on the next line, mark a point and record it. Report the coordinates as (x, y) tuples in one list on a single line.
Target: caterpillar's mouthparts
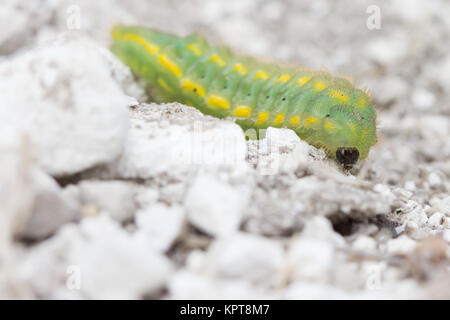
[(347, 157)]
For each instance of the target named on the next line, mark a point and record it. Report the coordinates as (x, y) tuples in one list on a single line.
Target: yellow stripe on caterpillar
[(150, 48), (284, 78), (192, 47), (262, 117), (169, 64), (218, 60), (295, 120), (339, 95), (261, 75), (311, 120), (240, 68), (192, 86), (279, 119), (362, 102), (242, 111), (319, 85), (215, 100), (301, 81)]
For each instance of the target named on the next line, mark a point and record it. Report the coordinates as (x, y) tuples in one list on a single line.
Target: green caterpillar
[(327, 112)]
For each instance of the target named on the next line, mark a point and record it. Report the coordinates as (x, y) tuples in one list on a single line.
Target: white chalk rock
[(20, 21), (400, 245), (446, 235), (320, 228), (32, 205), (441, 205), (301, 156), (365, 243), (115, 198), (248, 257), (173, 139), (436, 220), (146, 196), (423, 99), (127, 259), (215, 206), (281, 150), (417, 215), (51, 207), (161, 224), (310, 259), (64, 98), (98, 259), (311, 254)]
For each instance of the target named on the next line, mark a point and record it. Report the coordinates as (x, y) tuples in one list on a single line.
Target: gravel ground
[(105, 195)]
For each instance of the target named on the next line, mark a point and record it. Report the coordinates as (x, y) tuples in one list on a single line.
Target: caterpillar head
[(347, 157), (355, 134), (346, 134)]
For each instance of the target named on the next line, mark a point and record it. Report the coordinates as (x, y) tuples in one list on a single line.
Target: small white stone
[(400, 228), (99, 259), (434, 179), (215, 206), (446, 235), (365, 243), (115, 198), (146, 197), (405, 194), (417, 215), (196, 261), (423, 99), (321, 228), (191, 141), (385, 191), (410, 185), (381, 188), (401, 245), (436, 219), (441, 205), (428, 209), (51, 207), (247, 257), (411, 225), (310, 259), (299, 157), (280, 150), (161, 224)]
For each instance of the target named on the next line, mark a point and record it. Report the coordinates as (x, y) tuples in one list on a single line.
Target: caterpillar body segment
[(327, 112)]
